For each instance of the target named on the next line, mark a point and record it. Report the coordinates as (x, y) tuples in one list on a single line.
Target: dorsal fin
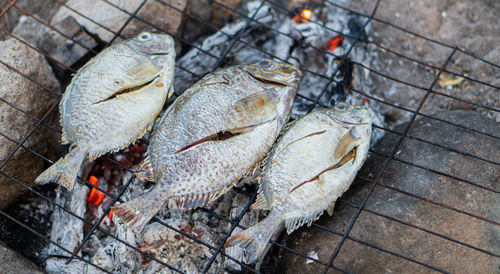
[(145, 170)]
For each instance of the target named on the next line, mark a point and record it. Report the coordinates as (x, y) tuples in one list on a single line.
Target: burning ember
[(334, 43), (95, 196), (304, 16)]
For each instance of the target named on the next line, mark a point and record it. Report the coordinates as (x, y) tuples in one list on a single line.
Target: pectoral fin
[(260, 106), (347, 143), (140, 74), (140, 77)]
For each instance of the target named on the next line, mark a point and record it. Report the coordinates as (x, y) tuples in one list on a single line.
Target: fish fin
[(64, 138), (261, 203), (330, 208), (292, 224), (261, 105), (347, 143), (64, 171), (191, 201), (140, 74), (145, 171), (255, 239), (170, 91), (137, 212), (286, 127)]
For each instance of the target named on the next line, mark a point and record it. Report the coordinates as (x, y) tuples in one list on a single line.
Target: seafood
[(112, 100), (212, 135), (313, 163)]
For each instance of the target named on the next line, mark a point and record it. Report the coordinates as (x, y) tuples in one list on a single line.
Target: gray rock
[(166, 15), (12, 262), (104, 19), (30, 97), (30, 31), (441, 192), (41, 9), (65, 45)]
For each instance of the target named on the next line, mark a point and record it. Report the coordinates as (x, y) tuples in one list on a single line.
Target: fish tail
[(137, 212), (254, 239), (64, 171)]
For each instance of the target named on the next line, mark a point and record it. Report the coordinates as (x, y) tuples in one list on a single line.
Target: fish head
[(281, 80), (349, 115), (158, 47), (274, 72)]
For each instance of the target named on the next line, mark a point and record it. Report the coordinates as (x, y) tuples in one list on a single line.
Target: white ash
[(59, 265), (67, 230), (313, 254)]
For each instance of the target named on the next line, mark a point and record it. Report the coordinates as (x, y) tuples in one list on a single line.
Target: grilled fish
[(112, 100), (212, 135), (313, 163)]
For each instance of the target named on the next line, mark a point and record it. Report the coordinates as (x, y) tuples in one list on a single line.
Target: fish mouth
[(158, 53), (146, 52), (355, 121), (340, 121), (128, 90), (268, 81)]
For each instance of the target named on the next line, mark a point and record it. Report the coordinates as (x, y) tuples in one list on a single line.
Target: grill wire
[(218, 249)]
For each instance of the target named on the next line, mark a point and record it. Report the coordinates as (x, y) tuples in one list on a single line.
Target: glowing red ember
[(334, 43), (303, 17), (95, 195)]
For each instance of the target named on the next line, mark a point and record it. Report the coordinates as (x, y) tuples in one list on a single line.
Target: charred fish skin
[(212, 135), (112, 101), (313, 163)]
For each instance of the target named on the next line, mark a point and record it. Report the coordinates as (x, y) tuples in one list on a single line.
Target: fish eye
[(264, 63), (144, 36)]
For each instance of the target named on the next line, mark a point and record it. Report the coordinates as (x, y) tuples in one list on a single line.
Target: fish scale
[(313, 163), (112, 100), (212, 135)]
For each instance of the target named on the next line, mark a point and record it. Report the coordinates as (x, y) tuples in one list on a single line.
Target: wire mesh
[(373, 181)]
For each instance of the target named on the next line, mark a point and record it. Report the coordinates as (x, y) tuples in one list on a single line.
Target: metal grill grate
[(372, 181)]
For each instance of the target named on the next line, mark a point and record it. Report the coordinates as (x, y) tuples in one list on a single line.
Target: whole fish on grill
[(112, 100), (212, 135), (312, 164)]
